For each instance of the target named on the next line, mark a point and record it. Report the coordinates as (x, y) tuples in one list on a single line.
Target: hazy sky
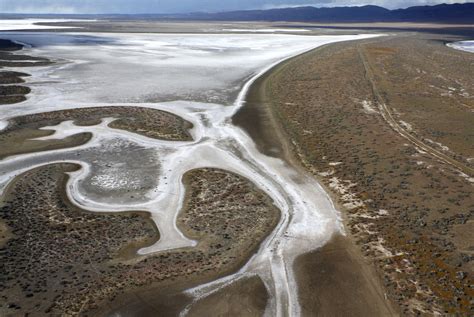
[(175, 6)]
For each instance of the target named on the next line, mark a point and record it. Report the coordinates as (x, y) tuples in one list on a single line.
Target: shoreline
[(237, 268), (267, 118), (337, 128), (241, 99), (263, 72), (267, 130)]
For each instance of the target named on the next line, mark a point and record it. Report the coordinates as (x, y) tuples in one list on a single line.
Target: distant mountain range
[(446, 13), (442, 13)]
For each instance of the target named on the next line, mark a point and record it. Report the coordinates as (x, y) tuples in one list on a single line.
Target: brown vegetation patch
[(240, 211), (14, 90), (7, 100), (62, 260), (17, 137), (381, 50), (13, 93), (430, 87), (405, 208), (57, 249), (145, 121), (9, 58), (11, 77)]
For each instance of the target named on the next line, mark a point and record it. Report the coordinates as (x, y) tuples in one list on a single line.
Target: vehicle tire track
[(388, 117)]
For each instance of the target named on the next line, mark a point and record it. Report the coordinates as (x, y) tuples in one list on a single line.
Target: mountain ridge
[(452, 13), (458, 13)]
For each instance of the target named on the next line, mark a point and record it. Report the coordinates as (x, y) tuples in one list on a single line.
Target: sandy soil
[(408, 210), (245, 297), (336, 281)]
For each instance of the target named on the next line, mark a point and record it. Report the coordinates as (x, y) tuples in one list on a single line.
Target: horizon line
[(218, 12)]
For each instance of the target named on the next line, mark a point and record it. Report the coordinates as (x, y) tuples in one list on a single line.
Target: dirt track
[(389, 118)]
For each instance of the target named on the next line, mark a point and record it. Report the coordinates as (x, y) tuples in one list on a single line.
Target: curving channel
[(84, 76)]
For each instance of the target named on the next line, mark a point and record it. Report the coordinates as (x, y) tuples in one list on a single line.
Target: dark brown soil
[(20, 141), (7, 100), (14, 90), (9, 46)]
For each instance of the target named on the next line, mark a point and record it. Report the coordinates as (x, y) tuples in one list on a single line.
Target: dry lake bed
[(136, 178)]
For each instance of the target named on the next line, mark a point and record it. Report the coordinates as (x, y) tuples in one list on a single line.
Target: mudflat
[(363, 117), (245, 297), (335, 281), (108, 275)]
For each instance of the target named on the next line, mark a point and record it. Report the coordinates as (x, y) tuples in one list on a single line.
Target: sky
[(183, 6)]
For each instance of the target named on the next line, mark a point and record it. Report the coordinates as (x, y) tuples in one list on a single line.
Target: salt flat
[(204, 79), (159, 67)]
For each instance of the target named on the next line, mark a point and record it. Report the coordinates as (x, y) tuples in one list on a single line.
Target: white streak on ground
[(467, 46), (30, 24)]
